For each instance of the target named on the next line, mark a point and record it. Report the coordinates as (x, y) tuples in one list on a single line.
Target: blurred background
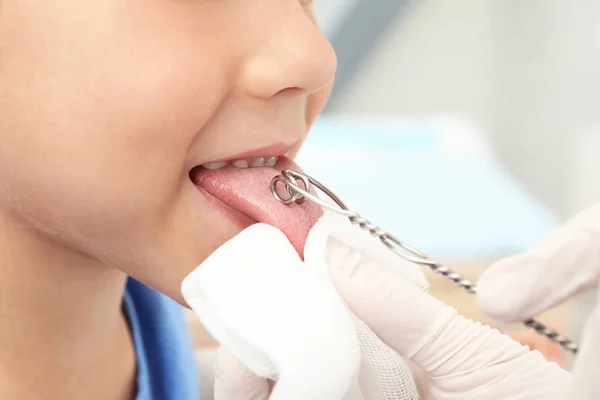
[(469, 128)]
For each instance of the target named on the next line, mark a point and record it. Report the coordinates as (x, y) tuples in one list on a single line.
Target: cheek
[(94, 144), (94, 194)]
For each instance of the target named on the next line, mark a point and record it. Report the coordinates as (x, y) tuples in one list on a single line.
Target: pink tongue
[(249, 191)]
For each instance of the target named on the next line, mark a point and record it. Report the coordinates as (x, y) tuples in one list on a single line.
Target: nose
[(295, 58)]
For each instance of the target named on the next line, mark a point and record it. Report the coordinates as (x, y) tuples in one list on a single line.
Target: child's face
[(105, 106)]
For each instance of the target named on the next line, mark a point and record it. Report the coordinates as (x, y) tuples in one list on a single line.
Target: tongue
[(249, 191)]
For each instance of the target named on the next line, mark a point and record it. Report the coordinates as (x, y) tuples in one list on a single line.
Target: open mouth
[(244, 185)]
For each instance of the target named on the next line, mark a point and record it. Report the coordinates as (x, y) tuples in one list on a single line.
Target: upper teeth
[(245, 163)]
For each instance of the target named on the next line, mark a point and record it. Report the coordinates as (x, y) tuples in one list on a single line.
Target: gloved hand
[(456, 358), (565, 263)]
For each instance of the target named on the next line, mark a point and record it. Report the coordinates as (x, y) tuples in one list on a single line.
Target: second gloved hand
[(564, 264)]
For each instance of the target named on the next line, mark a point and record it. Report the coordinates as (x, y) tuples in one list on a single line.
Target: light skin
[(551, 351), (105, 106)]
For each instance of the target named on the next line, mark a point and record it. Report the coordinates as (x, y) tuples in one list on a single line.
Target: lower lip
[(237, 218)]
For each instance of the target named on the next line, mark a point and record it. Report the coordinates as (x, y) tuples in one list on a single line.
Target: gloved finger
[(562, 265), (402, 316), (233, 381)]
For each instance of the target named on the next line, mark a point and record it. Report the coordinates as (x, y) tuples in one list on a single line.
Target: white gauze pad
[(284, 321)]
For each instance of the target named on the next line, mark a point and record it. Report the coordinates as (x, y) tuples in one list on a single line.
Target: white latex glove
[(460, 359), (522, 286)]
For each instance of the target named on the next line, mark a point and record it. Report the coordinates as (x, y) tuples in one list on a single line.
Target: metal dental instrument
[(300, 192)]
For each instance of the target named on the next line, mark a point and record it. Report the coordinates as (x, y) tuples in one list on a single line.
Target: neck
[(61, 313)]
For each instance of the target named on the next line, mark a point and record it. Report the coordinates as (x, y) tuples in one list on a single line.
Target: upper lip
[(275, 149)]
